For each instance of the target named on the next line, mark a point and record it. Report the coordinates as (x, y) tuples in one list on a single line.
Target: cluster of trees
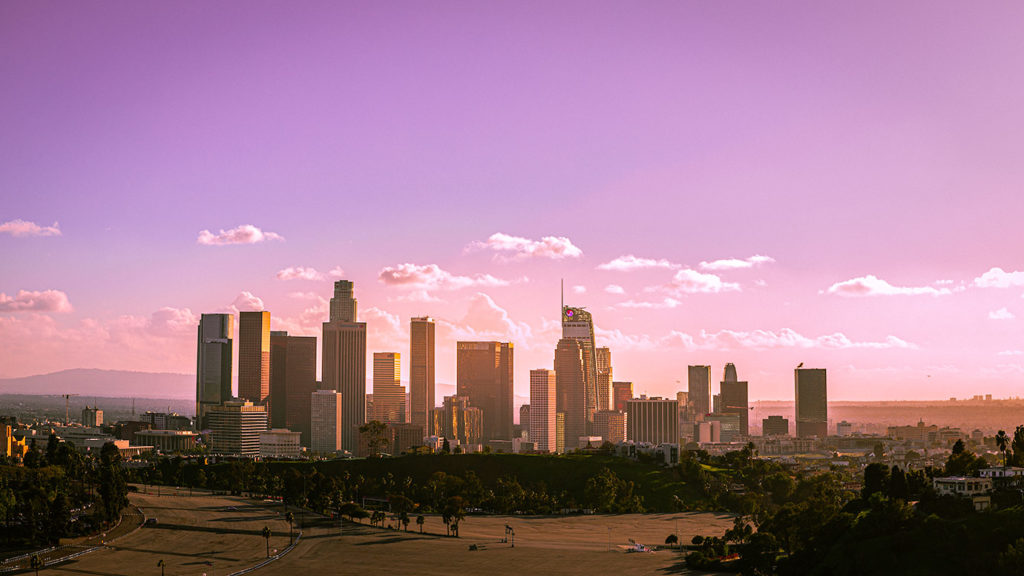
[(60, 493)]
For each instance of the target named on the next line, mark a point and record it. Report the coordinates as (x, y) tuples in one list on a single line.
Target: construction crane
[(67, 412)]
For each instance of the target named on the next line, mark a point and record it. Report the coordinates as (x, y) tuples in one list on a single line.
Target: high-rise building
[(699, 390), (325, 421), (652, 420), (729, 426), (213, 363), (524, 417), (278, 378), (734, 397), (603, 357), (92, 417), (388, 392), (560, 432), (254, 356), (292, 380), (775, 426), (421, 369), (235, 428), (610, 425), (484, 375), (811, 402), (621, 393), (570, 388), (685, 424), (344, 362), (462, 421), (542, 409), (578, 324), (405, 436)]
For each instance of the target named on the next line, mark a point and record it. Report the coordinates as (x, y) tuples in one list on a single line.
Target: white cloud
[(692, 282), (24, 228), (246, 302), (579, 289), (999, 278), (631, 262), (1010, 353), (299, 273), (553, 247), (35, 301), (1001, 314), (486, 320), (736, 263), (336, 272), (244, 234), (666, 303), (304, 295), (614, 289), (433, 277), (871, 285)]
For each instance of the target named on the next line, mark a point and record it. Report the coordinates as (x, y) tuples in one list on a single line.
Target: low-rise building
[(168, 441), (280, 443), (977, 489)]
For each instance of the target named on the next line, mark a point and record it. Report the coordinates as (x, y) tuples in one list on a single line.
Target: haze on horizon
[(836, 185)]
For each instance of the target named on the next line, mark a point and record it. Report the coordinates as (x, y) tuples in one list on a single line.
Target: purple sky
[(871, 151)]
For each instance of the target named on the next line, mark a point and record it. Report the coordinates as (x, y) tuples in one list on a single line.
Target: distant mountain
[(108, 383)]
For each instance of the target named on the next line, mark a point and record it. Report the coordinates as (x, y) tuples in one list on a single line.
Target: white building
[(280, 443), (542, 409)]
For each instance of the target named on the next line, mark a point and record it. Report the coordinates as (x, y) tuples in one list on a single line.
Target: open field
[(193, 531)]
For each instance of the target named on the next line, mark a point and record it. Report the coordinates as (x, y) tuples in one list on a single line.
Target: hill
[(115, 383)]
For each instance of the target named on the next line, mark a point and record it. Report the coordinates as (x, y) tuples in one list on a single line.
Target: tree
[(375, 433), (160, 564), (898, 488), (419, 522), (290, 518), (1002, 441), (266, 536), (446, 447), (36, 563), (876, 479), (1018, 446), (958, 447), (671, 540)]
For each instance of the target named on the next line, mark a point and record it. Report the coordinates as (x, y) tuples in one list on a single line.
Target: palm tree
[(290, 518), (419, 522), (266, 536), (160, 564), (36, 563), (1002, 441)]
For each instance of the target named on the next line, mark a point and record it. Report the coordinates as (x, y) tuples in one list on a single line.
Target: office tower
[(235, 428), (484, 375), (405, 436), (577, 324), (524, 417), (775, 426), (652, 420), (716, 404), (213, 363), (570, 388), (610, 425), (811, 402), (344, 362), (278, 378), (603, 358), (292, 380), (560, 432), (685, 422), (92, 417), (254, 356), (621, 392), (388, 392), (462, 421), (734, 397), (421, 369), (280, 443), (325, 422), (543, 404), (699, 390), (729, 426)]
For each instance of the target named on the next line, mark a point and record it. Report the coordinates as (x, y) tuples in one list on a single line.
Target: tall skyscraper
[(603, 357), (484, 375), (388, 392), (811, 402), (298, 368), (421, 370), (213, 363), (570, 388), (542, 409), (462, 421), (344, 362), (278, 378), (653, 420), (325, 421), (254, 356), (699, 390), (577, 324), (621, 392), (734, 397)]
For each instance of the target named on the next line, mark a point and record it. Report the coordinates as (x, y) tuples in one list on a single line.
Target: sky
[(837, 184)]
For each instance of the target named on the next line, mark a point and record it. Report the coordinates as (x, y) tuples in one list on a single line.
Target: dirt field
[(193, 531)]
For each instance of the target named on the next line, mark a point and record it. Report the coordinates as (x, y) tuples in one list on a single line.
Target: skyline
[(833, 186)]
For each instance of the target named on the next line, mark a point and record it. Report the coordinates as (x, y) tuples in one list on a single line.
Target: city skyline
[(761, 186)]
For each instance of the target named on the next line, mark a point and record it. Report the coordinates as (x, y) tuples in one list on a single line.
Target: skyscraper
[(278, 378), (254, 356), (570, 388), (603, 357), (811, 402), (461, 421), (325, 421), (577, 324), (235, 428), (388, 392), (542, 409), (421, 369), (299, 371), (653, 420), (734, 397), (484, 375), (621, 392), (213, 363), (344, 362), (699, 390)]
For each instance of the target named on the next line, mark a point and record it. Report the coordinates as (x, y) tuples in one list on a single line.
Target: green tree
[(876, 479), (1002, 441), (266, 536), (898, 488), (1018, 446), (419, 522), (290, 519), (671, 540)]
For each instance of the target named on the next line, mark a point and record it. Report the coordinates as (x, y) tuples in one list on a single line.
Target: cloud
[(433, 277), (871, 285), (1001, 314), (299, 273), (1010, 353), (336, 272), (666, 303), (24, 228), (614, 289), (692, 282), (736, 263), (166, 322), (246, 302), (788, 338), (579, 289), (244, 234), (553, 247), (32, 301), (486, 320), (631, 262), (998, 278)]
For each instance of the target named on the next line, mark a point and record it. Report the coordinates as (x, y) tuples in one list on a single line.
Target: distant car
[(231, 509), (150, 521)]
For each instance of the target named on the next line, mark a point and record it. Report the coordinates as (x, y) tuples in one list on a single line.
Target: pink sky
[(764, 184)]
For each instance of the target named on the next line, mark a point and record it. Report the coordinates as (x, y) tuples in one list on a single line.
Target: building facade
[(421, 370), (484, 376), (235, 428), (610, 425), (621, 393), (734, 397), (325, 422), (213, 363), (388, 392), (578, 325), (280, 443), (293, 380), (698, 387), (775, 426), (653, 420), (254, 356), (811, 402), (344, 362), (543, 403)]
